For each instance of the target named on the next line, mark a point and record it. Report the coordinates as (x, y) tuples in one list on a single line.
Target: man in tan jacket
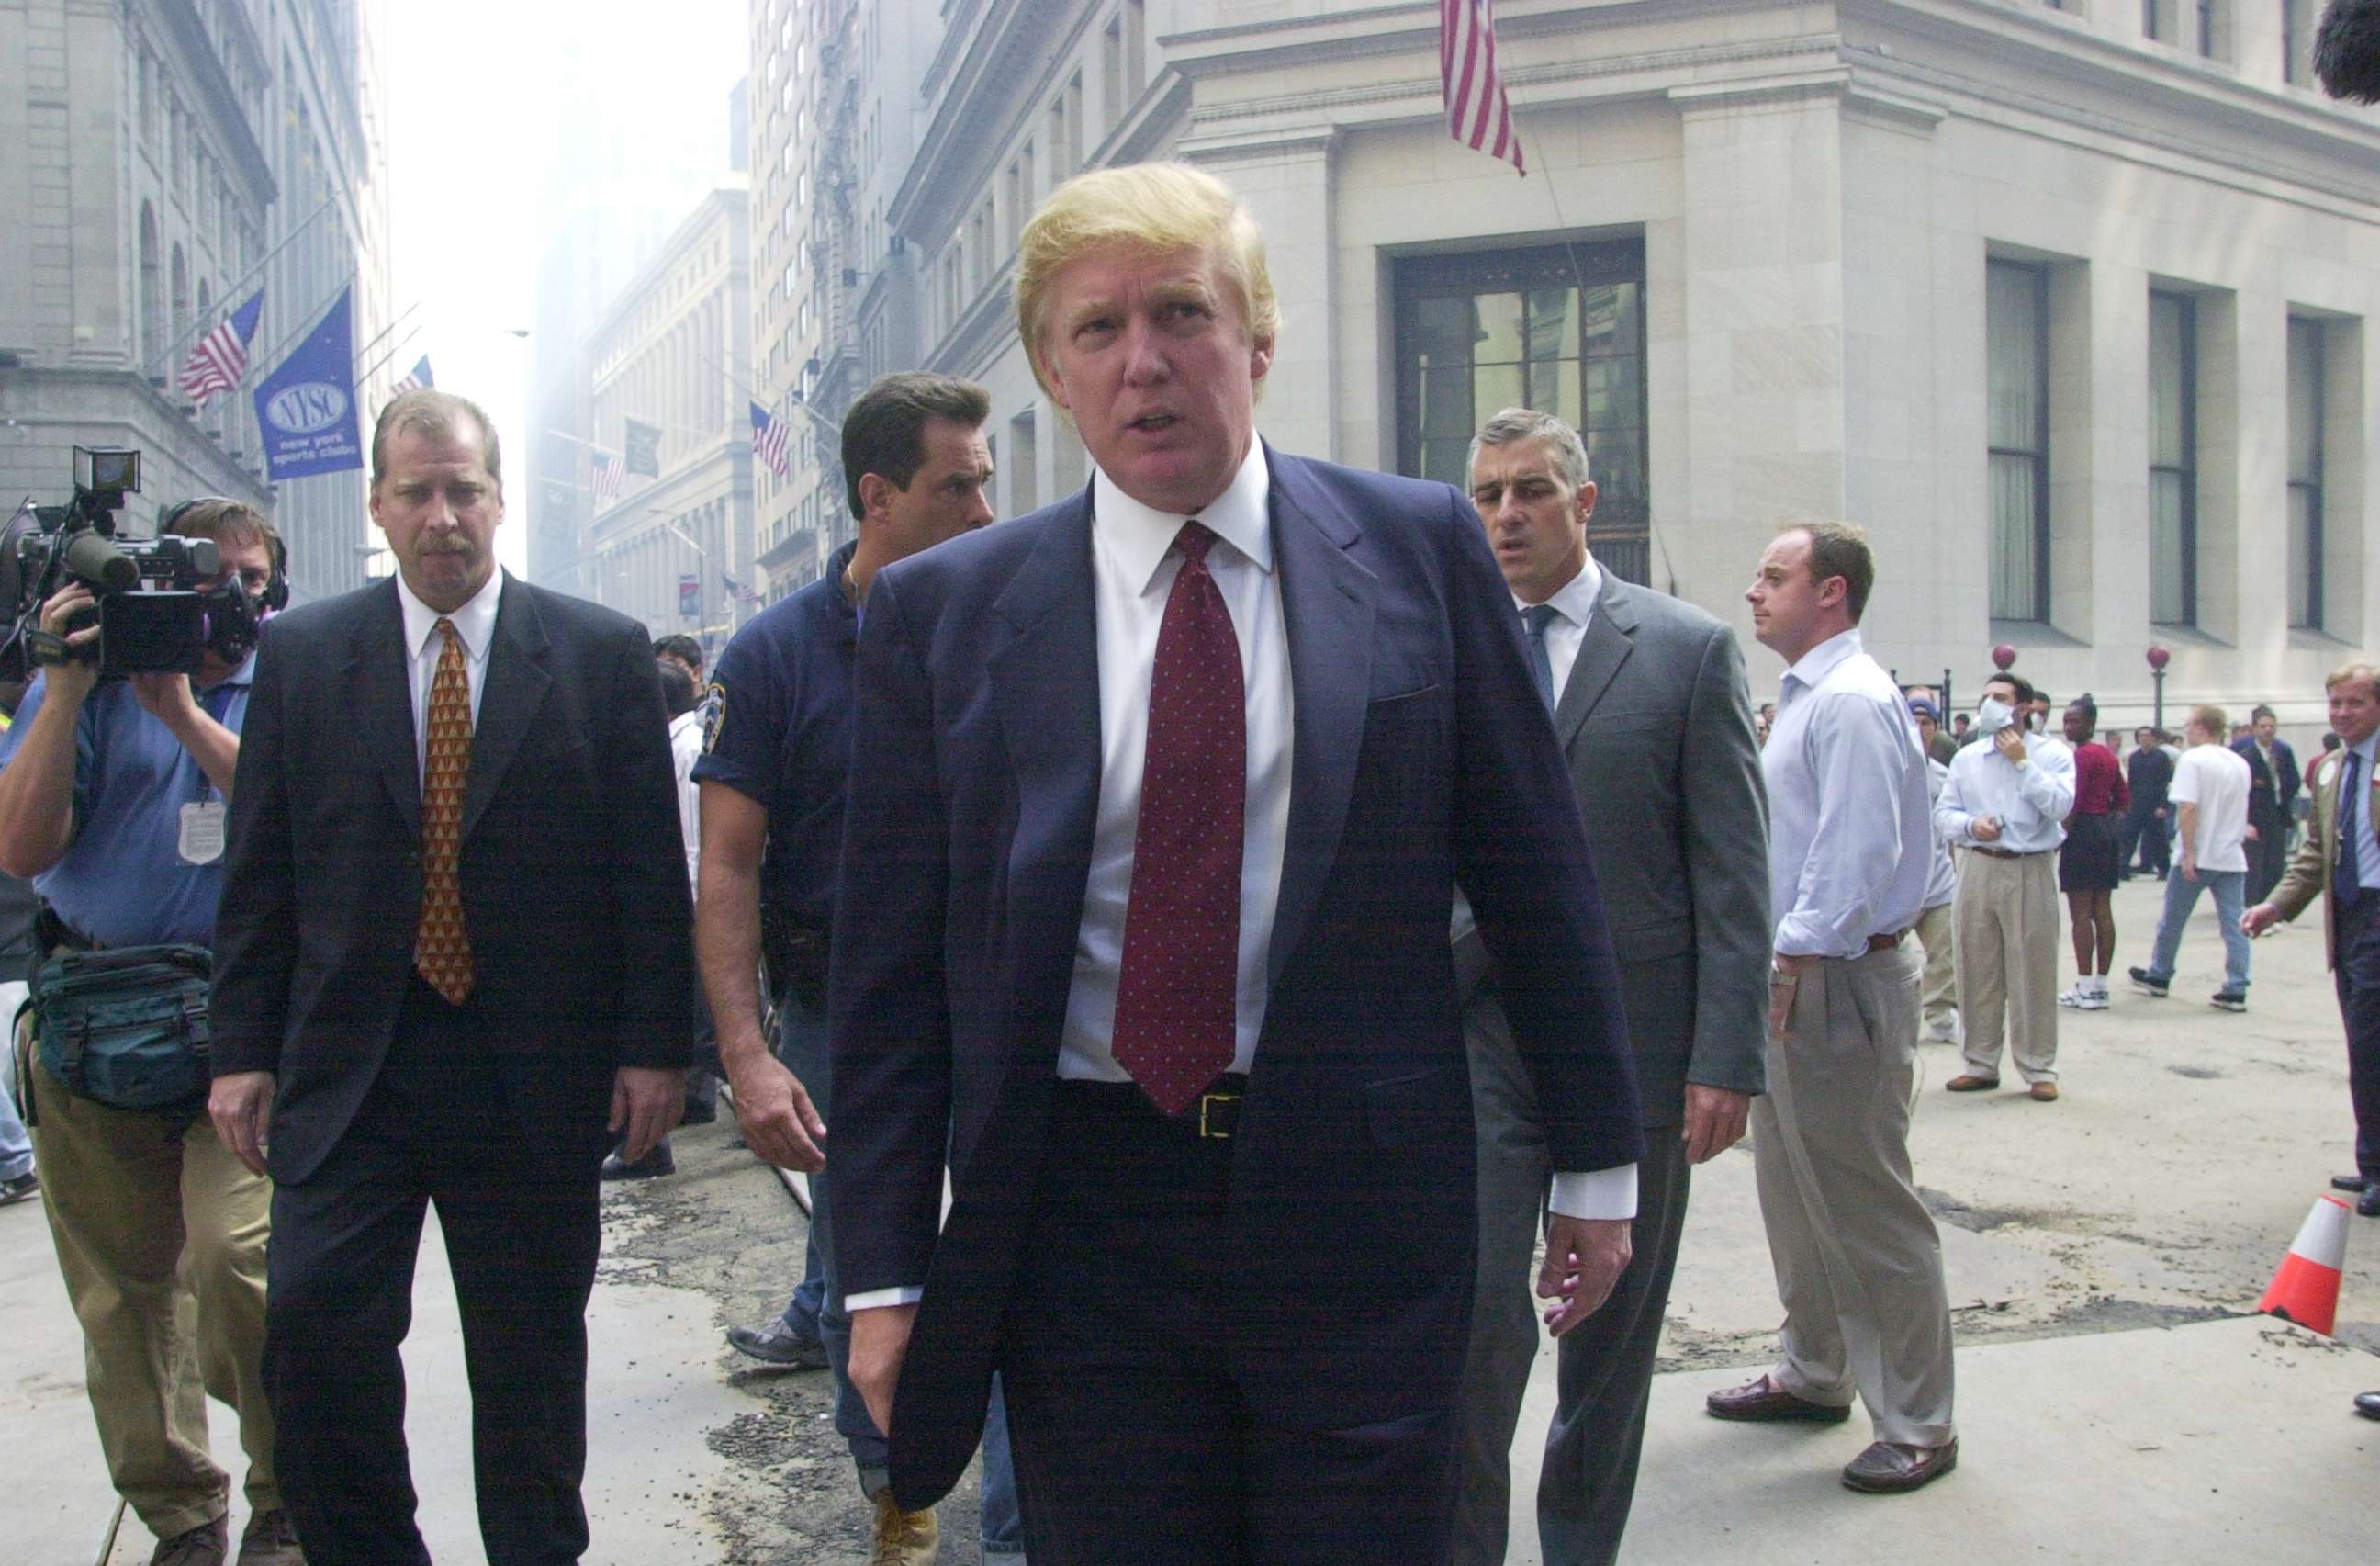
[(2340, 859)]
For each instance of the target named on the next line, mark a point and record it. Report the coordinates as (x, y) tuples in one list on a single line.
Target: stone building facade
[(672, 353), (2066, 303), (161, 161)]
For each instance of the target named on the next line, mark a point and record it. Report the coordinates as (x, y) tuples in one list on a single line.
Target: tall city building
[(670, 360), (2066, 303), (619, 187), (162, 160)]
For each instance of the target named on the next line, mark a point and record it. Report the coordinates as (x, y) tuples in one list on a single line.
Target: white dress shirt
[(1849, 847), (1574, 607), (2030, 802), (1132, 568), (1942, 883), (685, 749), (475, 622)]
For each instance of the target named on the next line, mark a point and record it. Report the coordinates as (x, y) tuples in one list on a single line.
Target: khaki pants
[(2007, 915), (1941, 994), (1859, 1264), (160, 1234)]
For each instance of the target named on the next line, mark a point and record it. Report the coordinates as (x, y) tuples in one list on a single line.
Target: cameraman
[(111, 801)]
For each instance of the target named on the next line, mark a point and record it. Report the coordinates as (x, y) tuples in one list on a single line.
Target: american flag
[(415, 379), (738, 591), (1476, 112), (769, 440), (221, 357), (607, 477)]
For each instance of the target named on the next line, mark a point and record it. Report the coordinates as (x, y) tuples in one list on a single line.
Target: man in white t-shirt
[(2210, 798)]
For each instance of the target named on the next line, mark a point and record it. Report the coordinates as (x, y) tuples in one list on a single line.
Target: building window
[(1023, 495), (2203, 32), (1559, 329), (2297, 42), (2153, 21), (2173, 459), (2016, 323), (2305, 472)]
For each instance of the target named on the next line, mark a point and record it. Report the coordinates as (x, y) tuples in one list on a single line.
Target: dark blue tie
[(2347, 879), (1536, 616)]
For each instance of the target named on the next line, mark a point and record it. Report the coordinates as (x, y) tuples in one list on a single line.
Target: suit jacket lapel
[(516, 686), (1327, 604), (1045, 681), (381, 691), (1610, 636)]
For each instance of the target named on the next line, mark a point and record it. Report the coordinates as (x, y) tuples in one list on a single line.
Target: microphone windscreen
[(2346, 50)]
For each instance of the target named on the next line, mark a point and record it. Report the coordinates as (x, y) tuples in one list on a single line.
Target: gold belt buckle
[(1207, 1126)]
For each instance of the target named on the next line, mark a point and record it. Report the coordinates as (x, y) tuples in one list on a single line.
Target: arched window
[(181, 279), (152, 287)]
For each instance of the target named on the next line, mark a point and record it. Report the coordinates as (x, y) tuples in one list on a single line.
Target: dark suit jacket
[(1657, 726), (573, 869), (2261, 779), (1422, 755)]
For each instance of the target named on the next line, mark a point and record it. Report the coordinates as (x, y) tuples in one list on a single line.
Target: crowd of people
[(1314, 922)]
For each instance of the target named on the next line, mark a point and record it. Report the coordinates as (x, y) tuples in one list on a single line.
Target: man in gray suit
[(1649, 703)]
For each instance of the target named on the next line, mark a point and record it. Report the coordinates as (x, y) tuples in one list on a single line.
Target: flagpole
[(164, 361), (384, 359), (385, 331)]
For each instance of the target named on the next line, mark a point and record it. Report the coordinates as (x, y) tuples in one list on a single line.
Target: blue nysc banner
[(307, 408)]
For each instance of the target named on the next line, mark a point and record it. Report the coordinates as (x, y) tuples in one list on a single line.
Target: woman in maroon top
[(2090, 863)]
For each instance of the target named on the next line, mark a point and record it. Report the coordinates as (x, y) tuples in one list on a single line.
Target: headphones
[(275, 596)]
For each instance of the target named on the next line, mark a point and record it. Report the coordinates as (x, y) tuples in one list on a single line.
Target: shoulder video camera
[(153, 615)]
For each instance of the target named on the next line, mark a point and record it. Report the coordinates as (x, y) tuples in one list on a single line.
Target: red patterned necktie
[(1177, 994), (441, 950)]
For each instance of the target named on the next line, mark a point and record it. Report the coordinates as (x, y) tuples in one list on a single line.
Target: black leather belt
[(1213, 1115), (2003, 854)]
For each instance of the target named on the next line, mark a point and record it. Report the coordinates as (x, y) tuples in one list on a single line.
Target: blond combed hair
[(2350, 674), (1144, 209)]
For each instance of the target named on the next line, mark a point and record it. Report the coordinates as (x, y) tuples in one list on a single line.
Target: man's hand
[(2157, 814), (879, 1342), (1985, 829), (2009, 741), (167, 697), (1714, 1121), (2259, 919), (240, 1104), (778, 1120), (2188, 868), (2255, 836), (1583, 1258), (646, 1102), (74, 681)]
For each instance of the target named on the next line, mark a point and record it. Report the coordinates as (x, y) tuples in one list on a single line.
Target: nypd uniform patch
[(714, 716)]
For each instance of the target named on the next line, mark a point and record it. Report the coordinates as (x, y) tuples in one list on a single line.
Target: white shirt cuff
[(1591, 1193), (877, 1299)]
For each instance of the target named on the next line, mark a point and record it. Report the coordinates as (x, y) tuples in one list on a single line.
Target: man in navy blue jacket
[(1143, 922)]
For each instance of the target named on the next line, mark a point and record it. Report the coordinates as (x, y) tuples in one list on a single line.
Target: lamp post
[(2159, 657)]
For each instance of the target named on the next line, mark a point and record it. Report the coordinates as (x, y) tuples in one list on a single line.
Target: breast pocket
[(1405, 762)]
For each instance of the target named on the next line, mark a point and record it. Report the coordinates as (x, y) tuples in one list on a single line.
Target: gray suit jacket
[(1655, 724)]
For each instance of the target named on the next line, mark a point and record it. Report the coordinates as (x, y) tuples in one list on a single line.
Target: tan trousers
[(1941, 994), (161, 1236), (1859, 1265), (2007, 914)]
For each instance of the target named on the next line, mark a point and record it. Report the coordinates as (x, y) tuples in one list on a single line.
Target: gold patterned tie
[(441, 950)]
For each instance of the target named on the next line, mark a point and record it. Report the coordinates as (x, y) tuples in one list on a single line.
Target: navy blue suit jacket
[(1422, 756)]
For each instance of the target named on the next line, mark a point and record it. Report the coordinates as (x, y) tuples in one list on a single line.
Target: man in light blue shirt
[(2006, 802), (1859, 1264)]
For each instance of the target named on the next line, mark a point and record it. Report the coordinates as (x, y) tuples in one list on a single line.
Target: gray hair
[(1516, 424)]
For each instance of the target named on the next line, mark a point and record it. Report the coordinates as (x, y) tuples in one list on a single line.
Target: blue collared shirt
[(121, 881), (2030, 802), (780, 732), (1850, 849), (2367, 839)]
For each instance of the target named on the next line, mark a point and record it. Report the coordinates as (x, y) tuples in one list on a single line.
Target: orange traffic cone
[(2306, 1288)]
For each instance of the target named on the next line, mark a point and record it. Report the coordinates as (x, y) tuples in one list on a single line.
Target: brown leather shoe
[(1889, 1468), (1762, 1398), (270, 1541), (205, 1545), (2044, 1093), (1971, 1083)]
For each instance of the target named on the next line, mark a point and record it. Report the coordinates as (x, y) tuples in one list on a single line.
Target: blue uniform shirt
[(121, 881), (780, 732)]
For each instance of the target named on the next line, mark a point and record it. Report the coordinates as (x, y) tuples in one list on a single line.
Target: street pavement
[(2116, 1400)]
